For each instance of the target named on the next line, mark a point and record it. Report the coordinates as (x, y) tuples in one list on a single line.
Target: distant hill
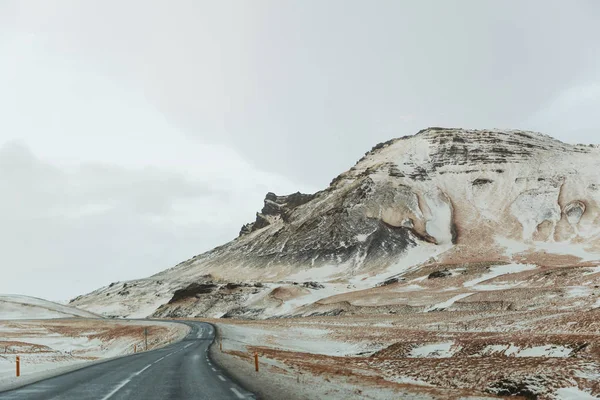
[(25, 307)]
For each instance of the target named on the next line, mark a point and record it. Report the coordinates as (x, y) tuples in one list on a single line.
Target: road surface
[(181, 370)]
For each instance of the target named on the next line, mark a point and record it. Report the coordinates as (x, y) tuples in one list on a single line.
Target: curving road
[(181, 370)]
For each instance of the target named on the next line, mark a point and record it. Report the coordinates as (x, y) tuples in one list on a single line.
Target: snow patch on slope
[(25, 307), (511, 350), (448, 303), (500, 270), (573, 393), (435, 350)]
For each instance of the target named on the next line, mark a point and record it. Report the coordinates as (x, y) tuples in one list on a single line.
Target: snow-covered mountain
[(445, 201), (25, 307)]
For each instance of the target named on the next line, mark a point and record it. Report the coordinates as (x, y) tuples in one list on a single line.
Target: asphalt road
[(181, 370)]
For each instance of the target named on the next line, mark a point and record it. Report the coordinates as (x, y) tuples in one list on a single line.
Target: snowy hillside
[(473, 205), (25, 307)]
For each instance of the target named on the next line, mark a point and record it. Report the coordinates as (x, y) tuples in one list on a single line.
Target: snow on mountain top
[(450, 196), (442, 150), (25, 307)]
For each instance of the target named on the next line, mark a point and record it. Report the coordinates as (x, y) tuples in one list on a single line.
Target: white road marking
[(159, 360), (170, 354), (214, 369), (115, 390), (238, 394), (125, 382), (221, 378), (143, 369)]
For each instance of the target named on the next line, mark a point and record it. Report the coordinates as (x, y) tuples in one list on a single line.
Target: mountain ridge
[(443, 194)]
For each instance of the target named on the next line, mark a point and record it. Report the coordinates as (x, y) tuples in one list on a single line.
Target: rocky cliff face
[(276, 208), (441, 196)]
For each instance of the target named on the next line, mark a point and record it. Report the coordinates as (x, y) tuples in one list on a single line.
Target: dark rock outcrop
[(276, 207), (527, 388), (192, 290), (313, 285), (246, 229), (440, 274), (390, 281), (482, 181)]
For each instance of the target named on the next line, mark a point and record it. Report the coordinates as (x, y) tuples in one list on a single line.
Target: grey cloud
[(74, 228), (226, 100), (148, 191), (324, 81), (30, 185), (59, 258), (26, 183), (573, 112)]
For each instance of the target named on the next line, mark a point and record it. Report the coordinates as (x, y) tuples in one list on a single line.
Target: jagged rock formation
[(440, 196), (276, 208)]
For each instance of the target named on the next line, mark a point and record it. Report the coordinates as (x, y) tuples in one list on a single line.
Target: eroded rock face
[(574, 211), (536, 207), (206, 298), (193, 290), (246, 229), (275, 208)]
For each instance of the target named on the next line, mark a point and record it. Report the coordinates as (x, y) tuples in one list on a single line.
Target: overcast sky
[(136, 134)]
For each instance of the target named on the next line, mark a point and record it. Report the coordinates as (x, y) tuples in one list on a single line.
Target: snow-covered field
[(26, 307), (54, 344), (438, 354)]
